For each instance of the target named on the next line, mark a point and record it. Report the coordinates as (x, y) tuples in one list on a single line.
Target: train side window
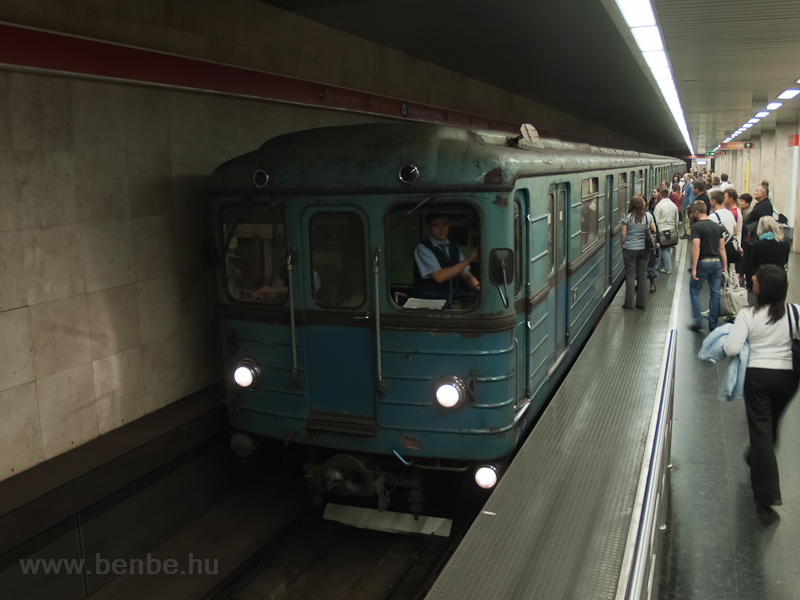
[(414, 253), (640, 182), (622, 194), (518, 251), (254, 248), (551, 249), (338, 263), (590, 192)]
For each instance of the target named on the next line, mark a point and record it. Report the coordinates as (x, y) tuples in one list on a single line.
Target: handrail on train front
[(648, 506)]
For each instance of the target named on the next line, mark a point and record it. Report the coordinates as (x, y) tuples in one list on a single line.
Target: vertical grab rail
[(376, 261), (297, 376)]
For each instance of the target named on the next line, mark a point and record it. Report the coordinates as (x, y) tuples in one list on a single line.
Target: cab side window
[(254, 249)]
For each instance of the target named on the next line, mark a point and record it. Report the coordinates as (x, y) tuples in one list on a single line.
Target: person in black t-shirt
[(708, 262)]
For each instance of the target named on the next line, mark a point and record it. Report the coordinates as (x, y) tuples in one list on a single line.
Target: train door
[(606, 212), (340, 350), (522, 291), (557, 202)]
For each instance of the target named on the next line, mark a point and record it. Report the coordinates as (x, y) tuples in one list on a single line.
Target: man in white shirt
[(731, 201), (725, 184), (666, 216), (722, 215)]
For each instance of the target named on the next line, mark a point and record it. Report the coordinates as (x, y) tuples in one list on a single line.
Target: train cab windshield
[(432, 256), (254, 238)]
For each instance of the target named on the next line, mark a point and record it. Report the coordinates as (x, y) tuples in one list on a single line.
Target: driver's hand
[(474, 255)]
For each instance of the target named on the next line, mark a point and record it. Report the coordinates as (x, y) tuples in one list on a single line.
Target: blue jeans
[(712, 271), (666, 258)]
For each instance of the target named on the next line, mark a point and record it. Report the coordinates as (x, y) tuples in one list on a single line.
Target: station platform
[(580, 511)]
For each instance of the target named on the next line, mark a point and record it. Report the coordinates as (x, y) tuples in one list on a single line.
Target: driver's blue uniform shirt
[(427, 262)]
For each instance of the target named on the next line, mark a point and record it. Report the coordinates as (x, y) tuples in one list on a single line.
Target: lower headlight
[(486, 476), (451, 392), (247, 374)]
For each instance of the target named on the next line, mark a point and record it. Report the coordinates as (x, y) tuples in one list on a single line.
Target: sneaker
[(663, 271), (695, 328), (705, 313), (668, 272)]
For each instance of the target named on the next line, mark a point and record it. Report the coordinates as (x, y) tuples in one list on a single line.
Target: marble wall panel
[(9, 207), (113, 320), (60, 332), (198, 298), (41, 112), (150, 184), (20, 439), (147, 119), (16, 349), (45, 185), (118, 389), (188, 120), (154, 247), (5, 114), (163, 374), (224, 124), (191, 175), (98, 116), (189, 231), (108, 254), (12, 271), (202, 357), (53, 263), (102, 186), (159, 308), (67, 413)]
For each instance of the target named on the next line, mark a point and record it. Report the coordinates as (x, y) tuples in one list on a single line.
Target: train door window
[(338, 263), (416, 250), (519, 213), (640, 182), (551, 250), (561, 249), (254, 247), (590, 193), (622, 194)]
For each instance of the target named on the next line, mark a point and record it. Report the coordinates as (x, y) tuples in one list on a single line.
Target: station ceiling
[(729, 59)]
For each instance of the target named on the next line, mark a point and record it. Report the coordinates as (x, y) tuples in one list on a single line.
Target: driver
[(439, 265)]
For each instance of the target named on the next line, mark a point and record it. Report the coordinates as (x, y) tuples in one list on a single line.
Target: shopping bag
[(732, 298)]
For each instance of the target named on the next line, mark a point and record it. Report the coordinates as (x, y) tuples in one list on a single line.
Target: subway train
[(333, 338)]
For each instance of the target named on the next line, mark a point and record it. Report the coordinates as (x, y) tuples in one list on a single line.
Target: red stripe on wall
[(32, 48)]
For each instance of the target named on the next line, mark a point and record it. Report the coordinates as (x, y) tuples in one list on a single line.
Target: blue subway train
[(341, 334)]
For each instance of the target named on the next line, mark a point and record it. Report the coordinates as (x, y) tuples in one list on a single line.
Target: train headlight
[(486, 476), (451, 392), (247, 374)]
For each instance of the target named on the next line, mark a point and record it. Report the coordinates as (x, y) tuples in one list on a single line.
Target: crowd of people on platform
[(737, 243)]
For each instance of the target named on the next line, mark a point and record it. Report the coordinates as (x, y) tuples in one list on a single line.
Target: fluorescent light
[(762, 114), (747, 125), (753, 121), (637, 13), (661, 73), (788, 94), (656, 60), (647, 38), (774, 105)]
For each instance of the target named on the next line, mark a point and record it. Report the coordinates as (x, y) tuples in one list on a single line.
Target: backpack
[(732, 248)]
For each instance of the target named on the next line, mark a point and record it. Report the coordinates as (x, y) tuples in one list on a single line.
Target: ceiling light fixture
[(788, 94), (747, 125), (762, 114), (648, 38), (774, 105), (754, 121), (637, 13)]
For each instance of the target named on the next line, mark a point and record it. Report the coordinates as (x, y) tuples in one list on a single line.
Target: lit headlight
[(451, 392), (247, 374), (486, 477)]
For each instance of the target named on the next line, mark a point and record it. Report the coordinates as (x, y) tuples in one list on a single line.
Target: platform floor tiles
[(719, 547)]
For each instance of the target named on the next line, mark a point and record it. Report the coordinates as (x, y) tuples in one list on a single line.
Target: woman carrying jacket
[(770, 248), (770, 381), (634, 225)]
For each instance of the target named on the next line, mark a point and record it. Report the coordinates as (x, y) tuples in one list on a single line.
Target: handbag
[(668, 238), (650, 240), (732, 249), (791, 311), (732, 299)]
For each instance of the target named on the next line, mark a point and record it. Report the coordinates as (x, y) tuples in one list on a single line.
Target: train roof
[(368, 159)]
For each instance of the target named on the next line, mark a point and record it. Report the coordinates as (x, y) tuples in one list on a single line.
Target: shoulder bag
[(650, 240), (732, 249), (791, 314)]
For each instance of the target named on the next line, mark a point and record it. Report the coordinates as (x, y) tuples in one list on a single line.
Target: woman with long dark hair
[(634, 225), (770, 381)]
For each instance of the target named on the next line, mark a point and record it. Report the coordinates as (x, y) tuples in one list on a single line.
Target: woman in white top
[(666, 216), (770, 381)]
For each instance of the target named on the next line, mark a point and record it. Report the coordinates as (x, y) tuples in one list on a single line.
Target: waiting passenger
[(770, 381), (700, 188), (770, 248), (666, 215), (724, 183), (439, 265), (708, 263), (634, 225)]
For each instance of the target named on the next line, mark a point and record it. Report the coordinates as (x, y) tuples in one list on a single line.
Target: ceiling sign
[(738, 146)]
